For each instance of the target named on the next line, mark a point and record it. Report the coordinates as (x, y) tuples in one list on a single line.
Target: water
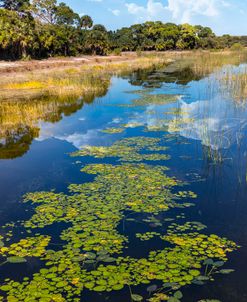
[(206, 134)]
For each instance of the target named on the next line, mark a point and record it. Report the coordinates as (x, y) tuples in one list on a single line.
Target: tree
[(15, 5), (42, 28), (17, 34), (122, 39), (45, 10), (188, 37), (99, 27), (64, 15), (97, 42), (86, 22)]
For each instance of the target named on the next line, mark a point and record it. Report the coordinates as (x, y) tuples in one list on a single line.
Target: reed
[(77, 81)]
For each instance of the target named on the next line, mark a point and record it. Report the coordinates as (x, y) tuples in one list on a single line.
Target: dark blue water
[(208, 149)]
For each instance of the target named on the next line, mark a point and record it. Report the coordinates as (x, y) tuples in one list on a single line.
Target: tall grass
[(76, 81)]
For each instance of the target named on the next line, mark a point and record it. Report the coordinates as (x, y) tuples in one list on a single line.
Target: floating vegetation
[(29, 247), (128, 149), (93, 212), (176, 111), (147, 235), (159, 125), (152, 99), (156, 99), (141, 91), (90, 255), (188, 226), (91, 250), (178, 124), (113, 130)]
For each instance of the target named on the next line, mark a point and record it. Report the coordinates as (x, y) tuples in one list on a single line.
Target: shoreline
[(70, 77), (77, 76), (79, 61), (52, 63)]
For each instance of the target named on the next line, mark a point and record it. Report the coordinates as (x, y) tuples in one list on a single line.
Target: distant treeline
[(44, 28)]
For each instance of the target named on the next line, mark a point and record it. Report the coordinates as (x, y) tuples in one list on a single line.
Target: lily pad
[(16, 259)]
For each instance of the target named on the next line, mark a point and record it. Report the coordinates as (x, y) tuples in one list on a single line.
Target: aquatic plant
[(90, 252), (113, 130), (77, 82), (128, 149), (155, 99)]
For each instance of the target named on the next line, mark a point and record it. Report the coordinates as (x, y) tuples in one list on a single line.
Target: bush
[(117, 52), (237, 47)]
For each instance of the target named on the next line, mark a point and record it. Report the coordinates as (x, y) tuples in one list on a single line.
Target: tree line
[(45, 28)]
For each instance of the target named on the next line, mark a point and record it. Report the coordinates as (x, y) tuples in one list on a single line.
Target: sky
[(223, 16)]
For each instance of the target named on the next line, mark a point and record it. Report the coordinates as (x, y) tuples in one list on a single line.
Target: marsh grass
[(84, 79), (205, 62), (77, 81), (235, 84), (30, 97)]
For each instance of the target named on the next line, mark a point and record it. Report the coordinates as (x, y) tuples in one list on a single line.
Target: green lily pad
[(136, 298), (16, 259)]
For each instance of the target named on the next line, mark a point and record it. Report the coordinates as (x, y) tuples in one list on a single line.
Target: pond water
[(197, 130)]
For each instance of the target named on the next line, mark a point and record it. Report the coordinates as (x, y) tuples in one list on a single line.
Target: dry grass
[(26, 98), (76, 81)]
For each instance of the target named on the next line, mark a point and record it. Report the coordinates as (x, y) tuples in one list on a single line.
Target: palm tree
[(86, 22)]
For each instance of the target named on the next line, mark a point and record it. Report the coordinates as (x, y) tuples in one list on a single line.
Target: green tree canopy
[(86, 22)]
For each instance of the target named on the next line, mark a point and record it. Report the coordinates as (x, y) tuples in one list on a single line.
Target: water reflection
[(196, 115), (202, 112), (20, 121)]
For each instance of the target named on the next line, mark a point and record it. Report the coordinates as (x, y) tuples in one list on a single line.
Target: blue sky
[(223, 16)]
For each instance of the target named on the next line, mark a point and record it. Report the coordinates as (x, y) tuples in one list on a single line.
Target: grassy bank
[(91, 77), (73, 81)]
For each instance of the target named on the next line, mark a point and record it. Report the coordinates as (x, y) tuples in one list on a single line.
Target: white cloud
[(153, 10), (115, 12), (181, 11)]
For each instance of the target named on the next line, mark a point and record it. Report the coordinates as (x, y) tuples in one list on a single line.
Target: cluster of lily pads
[(128, 149), (151, 99), (113, 130), (90, 251)]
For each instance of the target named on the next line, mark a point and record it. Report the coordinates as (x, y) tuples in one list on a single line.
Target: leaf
[(198, 282), (1, 243), (226, 271), (109, 259), (208, 262), (99, 288), (102, 252), (168, 284), (90, 255), (16, 259), (89, 261), (117, 287), (178, 295), (202, 278), (152, 288), (219, 263), (5, 288), (136, 298)]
